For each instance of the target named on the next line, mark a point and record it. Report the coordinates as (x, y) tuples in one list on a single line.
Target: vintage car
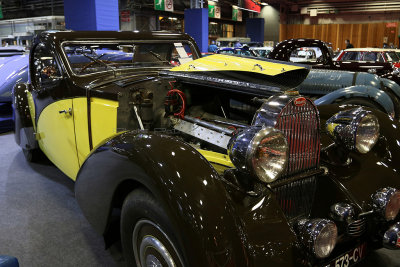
[(385, 69), (301, 55), (261, 51), (13, 69), (215, 162), (244, 51), (375, 55)]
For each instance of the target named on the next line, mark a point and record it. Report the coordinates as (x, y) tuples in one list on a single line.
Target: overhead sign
[(164, 5), (214, 11), (252, 5), (236, 14)]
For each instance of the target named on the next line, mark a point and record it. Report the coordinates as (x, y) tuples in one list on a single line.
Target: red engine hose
[(181, 113)]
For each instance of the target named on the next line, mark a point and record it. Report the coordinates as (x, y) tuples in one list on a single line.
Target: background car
[(13, 69), (262, 51), (369, 54)]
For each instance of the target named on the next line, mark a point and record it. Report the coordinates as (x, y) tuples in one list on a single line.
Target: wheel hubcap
[(148, 248)]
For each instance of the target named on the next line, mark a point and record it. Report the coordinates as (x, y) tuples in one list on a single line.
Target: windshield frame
[(120, 42)]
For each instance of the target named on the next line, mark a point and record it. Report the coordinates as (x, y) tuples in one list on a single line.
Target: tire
[(147, 232), (33, 155)]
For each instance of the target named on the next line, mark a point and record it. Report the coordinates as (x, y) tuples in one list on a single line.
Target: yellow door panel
[(81, 128), (103, 119), (57, 136)]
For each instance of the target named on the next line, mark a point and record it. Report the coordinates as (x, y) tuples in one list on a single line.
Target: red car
[(377, 55)]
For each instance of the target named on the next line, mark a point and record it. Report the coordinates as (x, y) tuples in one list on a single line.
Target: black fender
[(24, 130), (215, 228), (368, 172), (177, 175)]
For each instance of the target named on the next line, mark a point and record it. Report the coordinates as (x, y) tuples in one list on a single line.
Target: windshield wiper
[(156, 55), (101, 62)]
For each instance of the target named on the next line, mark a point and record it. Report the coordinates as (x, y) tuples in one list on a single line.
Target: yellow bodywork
[(81, 128), (57, 136), (104, 119), (220, 62), (64, 137), (220, 162)]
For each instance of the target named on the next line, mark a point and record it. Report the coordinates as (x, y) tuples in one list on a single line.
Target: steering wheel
[(92, 63)]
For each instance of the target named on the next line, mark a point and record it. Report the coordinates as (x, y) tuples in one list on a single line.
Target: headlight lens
[(386, 201), (318, 235), (356, 129), (260, 151), (367, 133), (268, 154)]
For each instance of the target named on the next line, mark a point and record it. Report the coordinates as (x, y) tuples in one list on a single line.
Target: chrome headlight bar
[(261, 151), (319, 236), (356, 129), (386, 201)]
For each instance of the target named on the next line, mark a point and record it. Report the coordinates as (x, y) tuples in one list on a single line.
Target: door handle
[(69, 111)]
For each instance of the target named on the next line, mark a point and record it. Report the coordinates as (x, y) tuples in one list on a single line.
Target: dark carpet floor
[(41, 223)]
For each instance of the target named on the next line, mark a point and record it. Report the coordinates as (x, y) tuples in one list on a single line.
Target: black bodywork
[(224, 218)]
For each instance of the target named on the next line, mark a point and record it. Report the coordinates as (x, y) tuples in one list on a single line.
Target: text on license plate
[(351, 257)]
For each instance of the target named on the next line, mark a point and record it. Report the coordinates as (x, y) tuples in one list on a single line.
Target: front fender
[(369, 92), (368, 172), (188, 187), (393, 86)]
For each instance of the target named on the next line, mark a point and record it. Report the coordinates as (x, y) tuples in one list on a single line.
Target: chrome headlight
[(260, 151), (356, 129), (386, 201), (319, 236)]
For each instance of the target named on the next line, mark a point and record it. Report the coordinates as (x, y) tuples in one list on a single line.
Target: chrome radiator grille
[(296, 198), (300, 124)]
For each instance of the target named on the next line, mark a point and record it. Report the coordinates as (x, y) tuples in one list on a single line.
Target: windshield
[(392, 56), (87, 58)]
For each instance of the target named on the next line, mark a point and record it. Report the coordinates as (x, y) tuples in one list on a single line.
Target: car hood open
[(258, 76)]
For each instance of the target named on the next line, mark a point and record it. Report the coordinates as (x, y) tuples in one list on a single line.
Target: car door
[(54, 110)]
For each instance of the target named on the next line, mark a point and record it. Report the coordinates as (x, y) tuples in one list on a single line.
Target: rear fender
[(369, 92), (24, 128), (189, 188)]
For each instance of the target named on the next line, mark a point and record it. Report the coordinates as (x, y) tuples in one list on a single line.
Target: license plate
[(350, 258)]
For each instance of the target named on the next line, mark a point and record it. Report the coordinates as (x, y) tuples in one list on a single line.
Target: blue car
[(13, 69)]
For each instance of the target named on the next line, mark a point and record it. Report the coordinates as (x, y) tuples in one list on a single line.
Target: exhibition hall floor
[(41, 223)]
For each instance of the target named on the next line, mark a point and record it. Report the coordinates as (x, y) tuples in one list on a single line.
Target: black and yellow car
[(210, 161)]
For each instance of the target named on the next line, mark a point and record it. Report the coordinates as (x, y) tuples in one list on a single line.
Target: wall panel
[(360, 35)]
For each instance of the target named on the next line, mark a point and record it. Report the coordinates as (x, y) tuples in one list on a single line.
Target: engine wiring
[(171, 102)]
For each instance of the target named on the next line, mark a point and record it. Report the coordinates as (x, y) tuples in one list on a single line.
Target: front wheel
[(147, 235)]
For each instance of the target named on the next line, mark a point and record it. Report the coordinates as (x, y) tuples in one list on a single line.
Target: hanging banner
[(214, 11), (164, 5), (252, 5), (236, 14), (1, 11)]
